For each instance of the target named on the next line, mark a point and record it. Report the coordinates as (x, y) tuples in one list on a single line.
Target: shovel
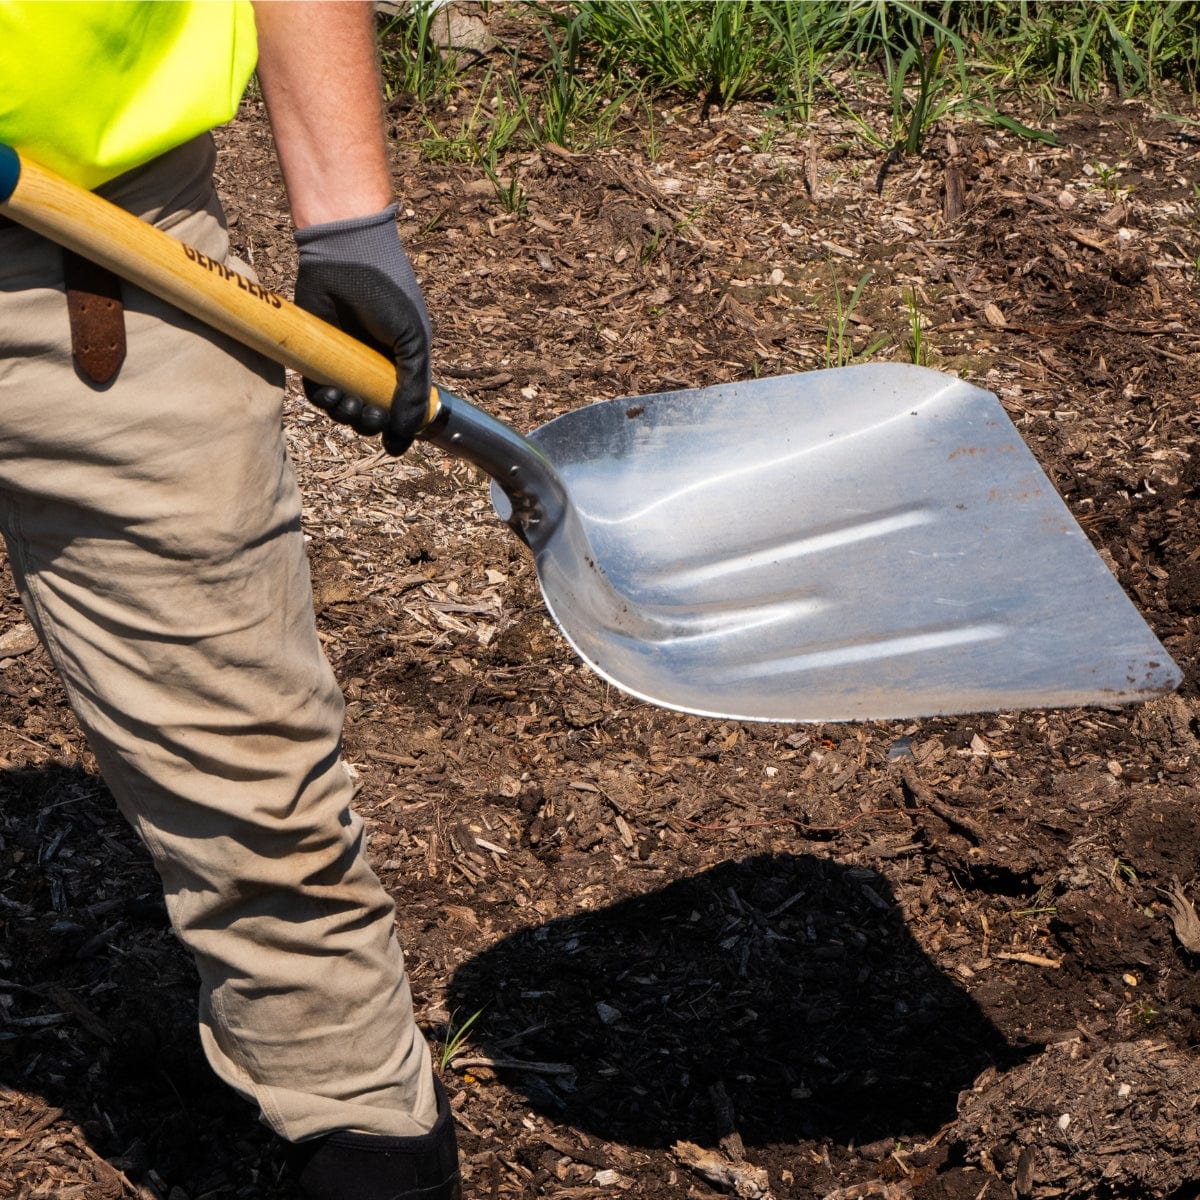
[(869, 542)]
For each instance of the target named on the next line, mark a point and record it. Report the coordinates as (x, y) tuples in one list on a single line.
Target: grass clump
[(570, 104), (839, 346), (570, 81), (456, 1039), (721, 50), (411, 62)]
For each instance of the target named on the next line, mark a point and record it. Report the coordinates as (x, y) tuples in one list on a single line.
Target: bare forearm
[(317, 68)]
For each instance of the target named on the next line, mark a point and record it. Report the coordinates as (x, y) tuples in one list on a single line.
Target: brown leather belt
[(97, 319), (96, 316)]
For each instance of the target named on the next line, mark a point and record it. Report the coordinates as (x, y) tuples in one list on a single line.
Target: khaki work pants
[(154, 531)]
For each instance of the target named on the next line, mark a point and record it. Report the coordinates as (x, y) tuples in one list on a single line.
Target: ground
[(949, 959)]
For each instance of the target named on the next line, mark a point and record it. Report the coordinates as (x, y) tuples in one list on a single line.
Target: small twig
[(1085, 239), (923, 795), (29, 741), (559, 151), (800, 825), (515, 1064), (362, 466), (105, 1165), (482, 379), (1032, 960)]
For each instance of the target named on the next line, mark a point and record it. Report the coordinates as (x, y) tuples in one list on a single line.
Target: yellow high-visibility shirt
[(93, 88)]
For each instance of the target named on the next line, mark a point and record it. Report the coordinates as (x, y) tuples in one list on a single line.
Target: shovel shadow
[(781, 995)]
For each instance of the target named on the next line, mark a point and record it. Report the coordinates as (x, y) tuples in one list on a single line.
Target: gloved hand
[(355, 275)]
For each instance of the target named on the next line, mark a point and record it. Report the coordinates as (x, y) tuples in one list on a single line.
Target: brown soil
[(949, 972)]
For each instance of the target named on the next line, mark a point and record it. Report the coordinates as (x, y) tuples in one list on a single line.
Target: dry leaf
[(1183, 917)]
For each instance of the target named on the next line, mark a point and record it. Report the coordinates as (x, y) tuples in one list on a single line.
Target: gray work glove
[(355, 275)]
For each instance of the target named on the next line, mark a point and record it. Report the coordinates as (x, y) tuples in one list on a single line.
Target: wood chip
[(812, 176), (20, 639), (954, 200), (874, 1189), (744, 1180)]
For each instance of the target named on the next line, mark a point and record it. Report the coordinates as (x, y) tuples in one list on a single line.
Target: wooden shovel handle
[(43, 201)]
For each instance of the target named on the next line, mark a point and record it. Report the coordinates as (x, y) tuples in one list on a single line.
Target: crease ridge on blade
[(864, 651), (792, 546)]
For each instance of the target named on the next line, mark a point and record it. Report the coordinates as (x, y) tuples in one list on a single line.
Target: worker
[(153, 529)]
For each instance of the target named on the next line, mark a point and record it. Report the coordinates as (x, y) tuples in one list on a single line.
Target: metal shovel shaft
[(535, 502)]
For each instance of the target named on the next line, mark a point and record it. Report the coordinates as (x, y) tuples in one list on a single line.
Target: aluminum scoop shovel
[(867, 542)]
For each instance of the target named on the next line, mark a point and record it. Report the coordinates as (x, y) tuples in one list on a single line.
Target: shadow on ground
[(782, 994), (98, 1005)]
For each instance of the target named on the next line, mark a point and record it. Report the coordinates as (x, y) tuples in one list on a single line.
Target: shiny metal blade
[(867, 542)]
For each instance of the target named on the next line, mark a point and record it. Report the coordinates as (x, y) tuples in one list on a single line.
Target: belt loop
[(97, 319)]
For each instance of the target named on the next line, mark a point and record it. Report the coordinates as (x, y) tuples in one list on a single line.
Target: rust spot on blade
[(974, 451)]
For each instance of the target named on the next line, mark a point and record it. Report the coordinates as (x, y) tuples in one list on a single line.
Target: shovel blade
[(870, 542)]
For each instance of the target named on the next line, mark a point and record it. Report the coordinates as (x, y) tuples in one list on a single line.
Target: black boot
[(367, 1166)]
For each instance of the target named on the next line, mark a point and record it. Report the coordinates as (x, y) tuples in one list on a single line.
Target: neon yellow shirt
[(93, 88)]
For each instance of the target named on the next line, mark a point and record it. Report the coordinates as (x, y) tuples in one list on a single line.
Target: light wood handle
[(43, 201)]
